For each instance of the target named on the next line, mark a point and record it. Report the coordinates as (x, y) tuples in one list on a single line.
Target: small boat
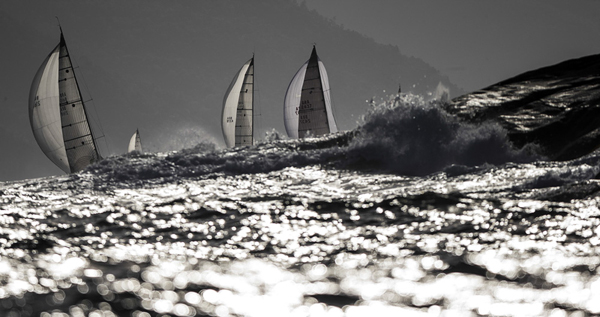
[(135, 143), (307, 106), (238, 108), (57, 113)]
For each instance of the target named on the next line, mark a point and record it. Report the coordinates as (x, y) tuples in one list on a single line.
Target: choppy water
[(412, 214)]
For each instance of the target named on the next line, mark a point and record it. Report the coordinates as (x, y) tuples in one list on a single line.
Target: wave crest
[(411, 136), (403, 135)]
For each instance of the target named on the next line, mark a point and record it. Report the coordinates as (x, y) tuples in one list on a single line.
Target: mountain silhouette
[(163, 67)]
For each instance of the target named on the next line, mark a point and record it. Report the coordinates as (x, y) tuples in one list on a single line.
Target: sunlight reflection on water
[(304, 242)]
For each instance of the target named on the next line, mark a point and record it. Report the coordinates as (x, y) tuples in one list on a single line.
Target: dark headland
[(556, 107)]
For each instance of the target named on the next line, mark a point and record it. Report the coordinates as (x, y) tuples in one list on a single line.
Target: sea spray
[(182, 136), (411, 136), (404, 135)]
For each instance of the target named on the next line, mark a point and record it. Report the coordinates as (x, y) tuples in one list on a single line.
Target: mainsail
[(135, 143), (307, 105), (57, 114), (237, 116)]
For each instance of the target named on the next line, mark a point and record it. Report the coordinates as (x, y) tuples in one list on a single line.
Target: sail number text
[(304, 119), (304, 105)]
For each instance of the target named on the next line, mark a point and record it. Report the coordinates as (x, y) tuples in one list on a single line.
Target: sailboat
[(307, 106), (238, 108), (135, 143), (57, 113)]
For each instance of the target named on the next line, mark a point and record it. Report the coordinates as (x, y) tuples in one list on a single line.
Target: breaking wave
[(404, 135), (411, 136)]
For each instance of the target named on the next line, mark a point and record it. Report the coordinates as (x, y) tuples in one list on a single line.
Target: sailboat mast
[(322, 91), (253, 91), (64, 43)]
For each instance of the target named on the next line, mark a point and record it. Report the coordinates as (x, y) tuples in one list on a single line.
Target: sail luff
[(44, 114), (131, 146), (292, 102), (327, 98)]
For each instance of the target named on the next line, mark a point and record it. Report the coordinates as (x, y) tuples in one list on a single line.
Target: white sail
[(307, 104), (292, 102), (237, 116), (44, 113), (57, 114), (135, 143)]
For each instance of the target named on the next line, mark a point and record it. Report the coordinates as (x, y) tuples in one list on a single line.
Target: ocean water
[(414, 213)]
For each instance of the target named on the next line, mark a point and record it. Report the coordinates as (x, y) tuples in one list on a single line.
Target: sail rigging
[(307, 104), (238, 108), (135, 143), (57, 113)]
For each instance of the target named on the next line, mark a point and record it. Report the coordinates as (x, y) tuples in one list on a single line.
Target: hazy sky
[(173, 60), (476, 42)]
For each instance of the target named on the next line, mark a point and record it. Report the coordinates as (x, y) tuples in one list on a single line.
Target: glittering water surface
[(187, 234), (306, 241)]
